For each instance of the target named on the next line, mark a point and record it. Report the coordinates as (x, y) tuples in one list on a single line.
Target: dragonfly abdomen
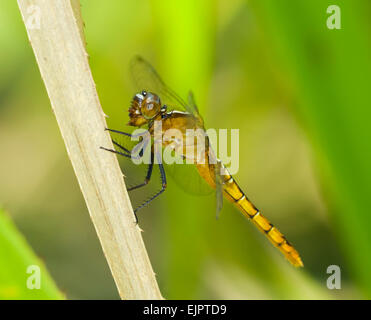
[(235, 195)]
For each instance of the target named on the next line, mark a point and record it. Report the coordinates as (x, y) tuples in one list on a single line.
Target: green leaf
[(19, 267), (331, 72)]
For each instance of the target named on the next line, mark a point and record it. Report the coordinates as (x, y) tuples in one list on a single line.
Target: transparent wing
[(215, 170), (193, 107), (218, 189), (187, 177), (146, 78), (189, 180)]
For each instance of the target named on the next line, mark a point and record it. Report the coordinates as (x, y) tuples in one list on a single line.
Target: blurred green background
[(298, 92)]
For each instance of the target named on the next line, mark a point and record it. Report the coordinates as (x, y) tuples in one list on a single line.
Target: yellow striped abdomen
[(233, 193)]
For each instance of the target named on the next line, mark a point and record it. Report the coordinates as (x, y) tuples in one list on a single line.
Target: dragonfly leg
[(126, 134), (117, 152), (120, 132), (163, 187), (127, 154), (148, 176), (121, 147)]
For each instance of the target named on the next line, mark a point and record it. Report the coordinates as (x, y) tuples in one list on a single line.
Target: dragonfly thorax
[(145, 106)]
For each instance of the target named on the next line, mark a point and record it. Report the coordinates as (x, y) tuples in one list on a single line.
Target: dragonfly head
[(145, 106)]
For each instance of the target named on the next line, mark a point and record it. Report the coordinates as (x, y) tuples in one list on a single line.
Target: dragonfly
[(155, 101)]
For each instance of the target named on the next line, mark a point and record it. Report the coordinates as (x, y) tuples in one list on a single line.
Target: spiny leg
[(149, 172), (148, 176), (163, 187), (120, 132), (128, 153), (127, 134), (120, 146), (142, 145), (117, 152), (145, 136)]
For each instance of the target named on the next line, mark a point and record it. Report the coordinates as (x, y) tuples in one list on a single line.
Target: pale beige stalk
[(55, 32)]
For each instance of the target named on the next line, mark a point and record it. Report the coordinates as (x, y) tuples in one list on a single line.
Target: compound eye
[(150, 106), (144, 93)]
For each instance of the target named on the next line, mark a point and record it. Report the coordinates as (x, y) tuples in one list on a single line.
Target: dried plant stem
[(55, 31)]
